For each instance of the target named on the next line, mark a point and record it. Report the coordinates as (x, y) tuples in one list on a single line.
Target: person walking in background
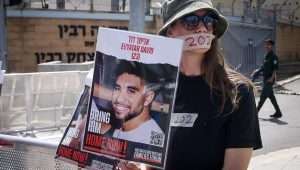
[(268, 68)]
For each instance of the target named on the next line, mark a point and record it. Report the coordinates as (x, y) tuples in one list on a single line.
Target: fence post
[(137, 15), (3, 41), (28, 100)]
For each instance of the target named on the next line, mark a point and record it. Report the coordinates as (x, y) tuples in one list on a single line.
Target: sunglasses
[(192, 21)]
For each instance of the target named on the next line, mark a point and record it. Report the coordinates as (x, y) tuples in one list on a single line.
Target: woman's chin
[(195, 51)]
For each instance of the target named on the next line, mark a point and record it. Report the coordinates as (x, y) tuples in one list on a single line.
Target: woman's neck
[(191, 64)]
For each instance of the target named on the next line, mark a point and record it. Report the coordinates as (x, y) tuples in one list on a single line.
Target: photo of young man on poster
[(132, 97)]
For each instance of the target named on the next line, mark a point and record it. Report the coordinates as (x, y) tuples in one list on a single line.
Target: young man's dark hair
[(270, 41), (130, 67), (139, 69)]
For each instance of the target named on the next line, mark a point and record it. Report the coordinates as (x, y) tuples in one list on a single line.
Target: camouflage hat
[(175, 9)]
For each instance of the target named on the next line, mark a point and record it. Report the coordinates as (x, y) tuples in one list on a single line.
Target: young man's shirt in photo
[(148, 133)]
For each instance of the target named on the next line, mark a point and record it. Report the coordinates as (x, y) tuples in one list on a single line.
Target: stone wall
[(32, 41), (288, 42)]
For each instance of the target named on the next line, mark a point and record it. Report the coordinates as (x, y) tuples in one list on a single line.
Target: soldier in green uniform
[(268, 69)]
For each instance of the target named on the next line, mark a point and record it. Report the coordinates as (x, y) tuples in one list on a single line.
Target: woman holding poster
[(225, 129), (215, 124)]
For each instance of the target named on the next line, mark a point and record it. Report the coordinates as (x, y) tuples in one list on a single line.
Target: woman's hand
[(125, 165)]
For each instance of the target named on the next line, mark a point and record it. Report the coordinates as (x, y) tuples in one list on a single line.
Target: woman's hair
[(222, 80)]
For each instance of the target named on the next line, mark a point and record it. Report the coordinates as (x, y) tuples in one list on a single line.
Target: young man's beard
[(130, 116)]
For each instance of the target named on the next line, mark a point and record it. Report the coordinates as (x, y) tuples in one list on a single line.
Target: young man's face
[(268, 46), (128, 97)]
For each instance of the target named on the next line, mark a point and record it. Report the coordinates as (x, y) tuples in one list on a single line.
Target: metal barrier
[(243, 46), (34, 101), (36, 105), (19, 153)]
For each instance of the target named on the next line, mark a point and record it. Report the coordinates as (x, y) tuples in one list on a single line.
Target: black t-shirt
[(202, 146), (270, 64)]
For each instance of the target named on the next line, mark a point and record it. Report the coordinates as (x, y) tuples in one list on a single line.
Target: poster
[(69, 148), (132, 96)]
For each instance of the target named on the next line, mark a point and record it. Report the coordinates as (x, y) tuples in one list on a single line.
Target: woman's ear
[(169, 32)]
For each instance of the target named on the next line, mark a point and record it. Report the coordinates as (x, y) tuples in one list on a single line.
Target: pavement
[(281, 137), (285, 159)]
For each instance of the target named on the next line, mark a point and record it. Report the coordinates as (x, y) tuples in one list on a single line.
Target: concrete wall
[(288, 42), (32, 41), (225, 6)]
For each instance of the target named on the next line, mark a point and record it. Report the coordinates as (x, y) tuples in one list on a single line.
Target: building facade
[(37, 34)]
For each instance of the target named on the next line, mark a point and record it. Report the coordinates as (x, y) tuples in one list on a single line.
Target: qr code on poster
[(157, 138)]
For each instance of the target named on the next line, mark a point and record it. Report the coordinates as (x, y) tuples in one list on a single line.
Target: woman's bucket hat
[(172, 10)]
